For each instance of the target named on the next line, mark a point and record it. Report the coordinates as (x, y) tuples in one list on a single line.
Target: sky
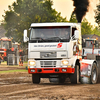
[(63, 6), (4, 6)]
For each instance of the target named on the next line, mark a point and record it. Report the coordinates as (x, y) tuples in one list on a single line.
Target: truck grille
[(48, 54), (48, 63)]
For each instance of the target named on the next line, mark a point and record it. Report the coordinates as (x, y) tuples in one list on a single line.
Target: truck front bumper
[(50, 70)]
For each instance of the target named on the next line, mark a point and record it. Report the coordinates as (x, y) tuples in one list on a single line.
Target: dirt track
[(19, 86)]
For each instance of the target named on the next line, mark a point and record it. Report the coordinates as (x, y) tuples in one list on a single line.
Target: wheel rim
[(94, 75)]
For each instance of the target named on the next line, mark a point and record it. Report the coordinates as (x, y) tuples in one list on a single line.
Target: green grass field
[(12, 71), (4, 64)]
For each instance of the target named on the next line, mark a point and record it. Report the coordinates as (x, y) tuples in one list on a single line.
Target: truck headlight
[(32, 63), (65, 62)]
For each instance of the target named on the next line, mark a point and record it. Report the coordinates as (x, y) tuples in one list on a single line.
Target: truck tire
[(93, 78), (74, 78), (94, 74), (35, 78)]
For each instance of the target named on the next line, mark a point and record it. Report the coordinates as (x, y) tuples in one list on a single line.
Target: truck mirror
[(76, 34), (25, 36)]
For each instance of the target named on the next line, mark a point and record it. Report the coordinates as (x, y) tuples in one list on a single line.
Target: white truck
[(55, 52)]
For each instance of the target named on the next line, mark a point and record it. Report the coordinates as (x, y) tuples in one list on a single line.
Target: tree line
[(24, 12)]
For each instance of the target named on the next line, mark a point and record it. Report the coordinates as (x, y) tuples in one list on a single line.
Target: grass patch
[(12, 71)]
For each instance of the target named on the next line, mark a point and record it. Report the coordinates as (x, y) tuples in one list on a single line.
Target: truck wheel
[(74, 78), (93, 78), (35, 78), (94, 74)]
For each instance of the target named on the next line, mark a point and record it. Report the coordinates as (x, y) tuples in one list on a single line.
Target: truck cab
[(52, 51)]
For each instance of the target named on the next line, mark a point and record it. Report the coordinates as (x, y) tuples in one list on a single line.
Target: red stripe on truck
[(50, 70)]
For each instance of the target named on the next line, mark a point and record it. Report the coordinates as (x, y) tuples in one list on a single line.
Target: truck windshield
[(50, 34), (5, 44), (90, 43)]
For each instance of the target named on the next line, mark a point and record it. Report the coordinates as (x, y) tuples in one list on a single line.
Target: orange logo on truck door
[(59, 45)]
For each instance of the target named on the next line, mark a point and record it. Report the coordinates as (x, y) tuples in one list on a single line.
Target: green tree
[(96, 31), (97, 15), (73, 18), (24, 12), (86, 27)]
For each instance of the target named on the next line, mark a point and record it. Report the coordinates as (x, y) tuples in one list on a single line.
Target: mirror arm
[(27, 38)]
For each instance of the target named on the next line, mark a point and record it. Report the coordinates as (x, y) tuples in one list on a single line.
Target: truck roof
[(5, 39), (55, 24)]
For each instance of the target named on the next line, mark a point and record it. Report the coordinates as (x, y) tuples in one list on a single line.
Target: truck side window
[(73, 29)]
